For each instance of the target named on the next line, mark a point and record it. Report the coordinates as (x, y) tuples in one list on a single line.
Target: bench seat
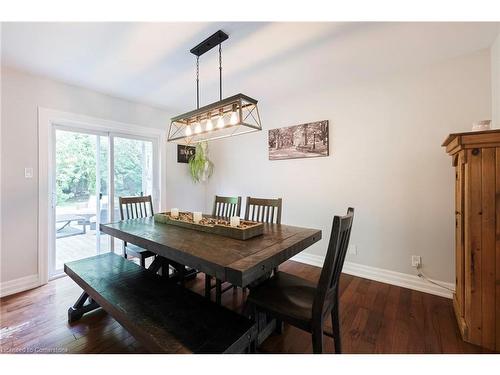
[(163, 316)]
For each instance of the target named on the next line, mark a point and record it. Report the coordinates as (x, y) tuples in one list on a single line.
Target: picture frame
[(307, 140), (184, 153)]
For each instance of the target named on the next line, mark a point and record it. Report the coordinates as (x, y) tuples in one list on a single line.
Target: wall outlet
[(416, 261), (352, 249)]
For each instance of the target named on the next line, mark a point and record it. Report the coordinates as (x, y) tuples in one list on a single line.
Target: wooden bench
[(163, 316)]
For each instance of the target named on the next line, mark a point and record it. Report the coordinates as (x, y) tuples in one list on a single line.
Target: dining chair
[(226, 206), (223, 207), (257, 209), (302, 303), (263, 210), (134, 208)]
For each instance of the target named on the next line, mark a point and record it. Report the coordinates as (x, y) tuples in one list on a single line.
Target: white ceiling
[(151, 63)]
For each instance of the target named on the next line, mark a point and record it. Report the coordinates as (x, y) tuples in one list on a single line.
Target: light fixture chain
[(220, 71), (198, 82)]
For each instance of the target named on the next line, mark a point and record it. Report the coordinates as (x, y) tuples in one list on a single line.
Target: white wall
[(386, 161), (21, 94), (495, 82)]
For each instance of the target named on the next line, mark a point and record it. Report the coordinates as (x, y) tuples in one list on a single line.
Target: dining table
[(239, 262)]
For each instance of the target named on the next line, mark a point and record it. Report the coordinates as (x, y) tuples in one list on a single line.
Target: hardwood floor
[(375, 318)]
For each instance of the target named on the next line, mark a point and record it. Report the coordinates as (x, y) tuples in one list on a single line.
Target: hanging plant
[(200, 166)]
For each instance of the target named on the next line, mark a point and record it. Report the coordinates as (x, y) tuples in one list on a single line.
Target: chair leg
[(208, 285), (279, 327), (317, 339), (253, 347), (182, 275), (336, 329), (165, 269), (249, 310), (125, 254), (218, 291), (143, 262)]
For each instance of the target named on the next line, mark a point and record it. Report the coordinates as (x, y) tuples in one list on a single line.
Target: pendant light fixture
[(227, 117)]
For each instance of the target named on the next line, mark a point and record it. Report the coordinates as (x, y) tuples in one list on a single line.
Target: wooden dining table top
[(239, 262)]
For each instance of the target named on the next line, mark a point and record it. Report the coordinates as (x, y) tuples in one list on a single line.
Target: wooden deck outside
[(81, 246)]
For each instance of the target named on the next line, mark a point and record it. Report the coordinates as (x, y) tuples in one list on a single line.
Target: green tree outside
[(76, 165)]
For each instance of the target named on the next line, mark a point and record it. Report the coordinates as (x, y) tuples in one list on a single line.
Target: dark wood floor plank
[(355, 342), (377, 293), (375, 318), (431, 334), (416, 342), (401, 329), (385, 335)]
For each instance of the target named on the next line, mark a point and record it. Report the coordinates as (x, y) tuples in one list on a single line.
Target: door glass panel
[(133, 173), (103, 239), (77, 198)]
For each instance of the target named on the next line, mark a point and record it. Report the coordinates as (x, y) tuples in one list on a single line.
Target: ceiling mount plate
[(209, 43)]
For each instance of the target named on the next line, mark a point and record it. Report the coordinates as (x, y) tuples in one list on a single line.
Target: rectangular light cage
[(232, 116)]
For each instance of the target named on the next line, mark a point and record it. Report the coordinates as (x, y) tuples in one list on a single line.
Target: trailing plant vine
[(200, 166)]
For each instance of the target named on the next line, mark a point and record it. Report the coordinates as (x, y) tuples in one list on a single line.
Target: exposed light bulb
[(197, 128), (220, 122), (234, 118), (209, 126), (188, 130)]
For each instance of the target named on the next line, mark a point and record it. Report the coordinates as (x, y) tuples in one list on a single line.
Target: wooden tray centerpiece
[(216, 225)]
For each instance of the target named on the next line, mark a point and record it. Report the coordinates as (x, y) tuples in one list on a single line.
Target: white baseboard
[(385, 276), (311, 259), (18, 285)]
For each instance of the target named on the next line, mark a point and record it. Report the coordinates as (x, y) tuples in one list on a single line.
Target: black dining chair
[(134, 208), (264, 210), (223, 207), (141, 207), (226, 206), (304, 304)]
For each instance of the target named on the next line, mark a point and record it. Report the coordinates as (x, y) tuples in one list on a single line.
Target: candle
[(174, 212), (197, 217), (235, 221)]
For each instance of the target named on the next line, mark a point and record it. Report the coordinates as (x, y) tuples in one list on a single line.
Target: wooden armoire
[(476, 158)]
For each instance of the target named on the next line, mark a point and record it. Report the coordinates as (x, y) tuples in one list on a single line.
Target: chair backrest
[(327, 290), (135, 207), (263, 210), (226, 206)]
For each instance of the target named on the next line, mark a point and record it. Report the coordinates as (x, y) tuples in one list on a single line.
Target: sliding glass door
[(91, 170)]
